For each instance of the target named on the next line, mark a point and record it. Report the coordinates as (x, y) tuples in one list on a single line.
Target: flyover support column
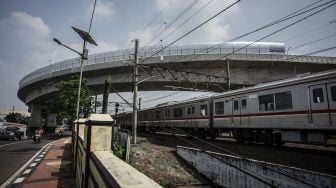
[(135, 93)]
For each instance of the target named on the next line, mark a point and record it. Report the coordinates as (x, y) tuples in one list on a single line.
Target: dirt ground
[(163, 165)]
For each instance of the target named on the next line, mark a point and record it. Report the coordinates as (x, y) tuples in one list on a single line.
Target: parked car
[(11, 133)]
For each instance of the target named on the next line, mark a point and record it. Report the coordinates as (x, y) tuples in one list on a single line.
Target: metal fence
[(126, 54)]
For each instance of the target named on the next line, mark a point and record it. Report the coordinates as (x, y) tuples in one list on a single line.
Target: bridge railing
[(120, 55)]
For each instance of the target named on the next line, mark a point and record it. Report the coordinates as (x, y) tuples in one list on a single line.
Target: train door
[(236, 111), (319, 107), (190, 115), (331, 87), (243, 111)]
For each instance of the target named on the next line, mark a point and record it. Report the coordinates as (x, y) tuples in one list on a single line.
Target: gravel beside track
[(313, 158)]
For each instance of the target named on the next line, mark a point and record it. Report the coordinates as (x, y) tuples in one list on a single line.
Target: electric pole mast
[(135, 93)]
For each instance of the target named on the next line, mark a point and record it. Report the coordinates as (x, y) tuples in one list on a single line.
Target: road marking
[(18, 172), (44, 152), (33, 164), (13, 143), (37, 160), (19, 180), (27, 171), (41, 155)]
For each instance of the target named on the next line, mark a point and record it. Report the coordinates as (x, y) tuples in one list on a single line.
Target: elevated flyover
[(235, 65)]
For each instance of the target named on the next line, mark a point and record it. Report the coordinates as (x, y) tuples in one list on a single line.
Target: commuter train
[(301, 109)]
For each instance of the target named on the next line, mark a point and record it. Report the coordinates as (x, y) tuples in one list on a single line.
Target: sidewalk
[(55, 169)]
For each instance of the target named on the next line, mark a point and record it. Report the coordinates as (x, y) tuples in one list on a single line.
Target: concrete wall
[(230, 171), (95, 164)]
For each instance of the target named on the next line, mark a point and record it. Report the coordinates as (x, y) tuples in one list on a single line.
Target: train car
[(300, 109)]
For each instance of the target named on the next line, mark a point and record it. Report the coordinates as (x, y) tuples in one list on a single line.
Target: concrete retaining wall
[(230, 171), (95, 164)]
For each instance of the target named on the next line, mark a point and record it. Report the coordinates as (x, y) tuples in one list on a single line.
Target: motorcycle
[(37, 138)]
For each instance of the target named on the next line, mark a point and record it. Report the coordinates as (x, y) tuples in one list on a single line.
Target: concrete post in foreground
[(97, 137)]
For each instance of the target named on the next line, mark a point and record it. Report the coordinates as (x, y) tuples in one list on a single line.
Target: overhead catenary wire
[(310, 31), (184, 11), (312, 53), (187, 20), (261, 67), (280, 20), (283, 28), (292, 15), (277, 31), (155, 18), (311, 42), (192, 30)]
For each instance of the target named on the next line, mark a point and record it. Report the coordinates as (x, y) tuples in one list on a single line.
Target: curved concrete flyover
[(248, 66)]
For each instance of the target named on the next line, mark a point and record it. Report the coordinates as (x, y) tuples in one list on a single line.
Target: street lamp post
[(84, 55)]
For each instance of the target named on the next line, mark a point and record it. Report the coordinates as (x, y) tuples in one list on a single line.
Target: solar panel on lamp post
[(84, 55)]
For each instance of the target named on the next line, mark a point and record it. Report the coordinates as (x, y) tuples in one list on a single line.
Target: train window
[(219, 107), (167, 113), (235, 105), (333, 93), (204, 110), (178, 112), (243, 103), (283, 100), (266, 102), (318, 95), (157, 114)]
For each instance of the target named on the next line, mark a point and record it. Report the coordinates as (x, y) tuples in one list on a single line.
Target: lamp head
[(57, 41)]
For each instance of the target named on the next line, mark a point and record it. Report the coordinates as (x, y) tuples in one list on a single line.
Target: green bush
[(119, 151)]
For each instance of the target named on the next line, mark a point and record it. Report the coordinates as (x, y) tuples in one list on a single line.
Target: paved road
[(14, 154)]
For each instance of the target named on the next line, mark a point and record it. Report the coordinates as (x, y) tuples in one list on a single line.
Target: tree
[(65, 103), (13, 117), (17, 118)]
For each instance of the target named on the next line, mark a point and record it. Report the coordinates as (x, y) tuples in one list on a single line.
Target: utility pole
[(135, 93), (105, 96), (228, 81), (95, 105)]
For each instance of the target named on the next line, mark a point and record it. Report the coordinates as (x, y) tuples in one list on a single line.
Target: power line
[(312, 53), (171, 94), (174, 20), (257, 68), (285, 18), (281, 29), (192, 16), (192, 30), (156, 17), (312, 42), (310, 31), (292, 15)]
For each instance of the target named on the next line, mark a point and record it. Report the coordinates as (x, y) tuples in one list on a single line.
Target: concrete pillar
[(97, 137), (51, 120), (36, 115)]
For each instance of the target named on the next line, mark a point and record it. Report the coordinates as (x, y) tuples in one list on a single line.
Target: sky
[(27, 29)]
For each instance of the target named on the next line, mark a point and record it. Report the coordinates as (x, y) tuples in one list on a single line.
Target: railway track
[(312, 158)]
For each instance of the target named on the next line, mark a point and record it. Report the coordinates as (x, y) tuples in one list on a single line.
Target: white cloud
[(25, 46), (104, 9), (214, 31), (102, 47)]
